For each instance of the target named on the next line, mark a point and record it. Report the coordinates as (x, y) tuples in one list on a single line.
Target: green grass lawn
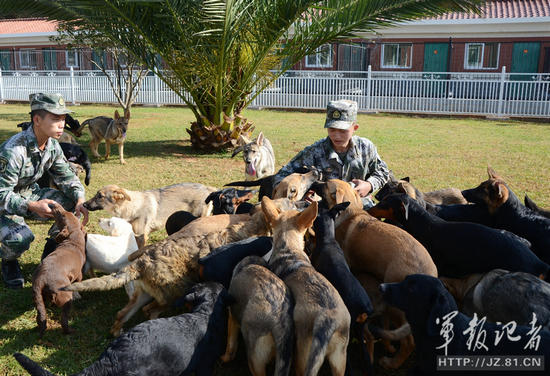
[(434, 152)]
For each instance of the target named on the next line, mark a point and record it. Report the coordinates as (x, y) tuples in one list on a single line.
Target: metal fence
[(490, 94)]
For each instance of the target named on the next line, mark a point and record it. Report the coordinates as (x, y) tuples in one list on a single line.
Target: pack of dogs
[(302, 281)]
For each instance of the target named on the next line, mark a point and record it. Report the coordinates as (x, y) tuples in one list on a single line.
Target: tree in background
[(124, 71), (220, 54)]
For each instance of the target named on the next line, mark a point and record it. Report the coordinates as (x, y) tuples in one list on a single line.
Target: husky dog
[(258, 157)]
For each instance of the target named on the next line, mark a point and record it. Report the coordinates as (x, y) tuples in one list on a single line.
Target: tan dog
[(60, 268), (321, 319), (295, 186), (113, 131), (163, 270), (148, 211), (263, 312), (371, 246), (258, 157)]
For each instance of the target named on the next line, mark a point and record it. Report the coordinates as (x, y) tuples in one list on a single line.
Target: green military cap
[(53, 103), (341, 114)]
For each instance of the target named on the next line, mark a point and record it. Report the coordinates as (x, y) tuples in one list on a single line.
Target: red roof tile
[(505, 9), (27, 25)]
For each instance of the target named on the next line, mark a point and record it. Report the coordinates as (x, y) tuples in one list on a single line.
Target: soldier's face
[(51, 125), (340, 137)]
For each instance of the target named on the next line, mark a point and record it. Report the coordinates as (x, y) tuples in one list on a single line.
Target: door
[(436, 59), (525, 59)]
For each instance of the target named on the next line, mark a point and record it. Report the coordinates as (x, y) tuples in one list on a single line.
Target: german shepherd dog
[(113, 131), (162, 270), (321, 318), (258, 157)]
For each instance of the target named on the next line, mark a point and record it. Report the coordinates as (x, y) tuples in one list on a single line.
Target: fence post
[(501, 91), (157, 88), (1, 87), (369, 76), (72, 86)]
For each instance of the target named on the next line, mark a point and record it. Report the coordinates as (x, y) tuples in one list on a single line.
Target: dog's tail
[(106, 282), (31, 366), (38, 298), (323, 330), (245, 183)]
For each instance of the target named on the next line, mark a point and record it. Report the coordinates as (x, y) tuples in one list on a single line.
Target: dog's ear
[(336, 209), (407, 179), (307, 217), (270, 210), (339, 195), (260, 139), (407, 189), (501, 191), (127, 114), (63, 234), (120, 195), (211, 197), (492, 173), (244, 195), (117, 115)]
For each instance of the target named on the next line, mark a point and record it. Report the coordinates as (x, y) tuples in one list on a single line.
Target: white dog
[(109, 254)]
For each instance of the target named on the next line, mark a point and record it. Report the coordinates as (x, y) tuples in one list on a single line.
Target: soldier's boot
[(11, 273)]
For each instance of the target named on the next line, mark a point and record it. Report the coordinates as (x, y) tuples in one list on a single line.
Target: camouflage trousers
[(15, 235)]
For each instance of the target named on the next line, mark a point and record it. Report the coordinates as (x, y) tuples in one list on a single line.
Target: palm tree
[(220, 54)]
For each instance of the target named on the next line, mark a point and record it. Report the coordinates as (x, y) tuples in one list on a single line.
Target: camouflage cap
[(341, 114), (53, 103)]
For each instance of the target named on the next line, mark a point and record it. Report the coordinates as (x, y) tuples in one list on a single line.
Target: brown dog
[(295, 186), (371, 246), (60, 268), (113, 131), (161, 271), (321, 318)]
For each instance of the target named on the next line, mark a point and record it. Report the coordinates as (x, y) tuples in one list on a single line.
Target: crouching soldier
[(24, 158)]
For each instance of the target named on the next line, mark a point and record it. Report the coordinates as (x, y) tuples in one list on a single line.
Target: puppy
[(258, 157), (432, 312), (321, 318), (263, 311), (148, 211), (113, 131), (502, 296), (77, 155), (295, 186), (178, 345), (228, 200), (60, 268)]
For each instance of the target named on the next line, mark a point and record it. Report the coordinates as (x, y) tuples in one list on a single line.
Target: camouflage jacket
[(360, 162), (22, 164)]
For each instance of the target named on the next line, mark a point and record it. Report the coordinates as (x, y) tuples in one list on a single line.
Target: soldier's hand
[(362, 187), (41, 207)]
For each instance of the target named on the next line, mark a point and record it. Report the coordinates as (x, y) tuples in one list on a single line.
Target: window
[(27, 58), (481, 55), (71, 58), (322, 58), (398, 55)]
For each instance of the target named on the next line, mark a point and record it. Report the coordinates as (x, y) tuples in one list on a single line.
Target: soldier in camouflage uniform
[(24, 158), (342, 155)]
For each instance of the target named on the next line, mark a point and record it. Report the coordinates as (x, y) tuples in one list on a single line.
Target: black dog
[(426, 304), (329, 260), (460, 248), (218, 265), (534, 207), (228, 200), (509, 214), (175, 345), (74, 153)]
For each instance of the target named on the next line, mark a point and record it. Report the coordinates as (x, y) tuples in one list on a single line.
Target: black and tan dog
[(178, 345), (502, 296), (60, 268), (432, 312), (371, 246), (509, 214), (263, 311), (460, 248), (321, 318), (113, 131)]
